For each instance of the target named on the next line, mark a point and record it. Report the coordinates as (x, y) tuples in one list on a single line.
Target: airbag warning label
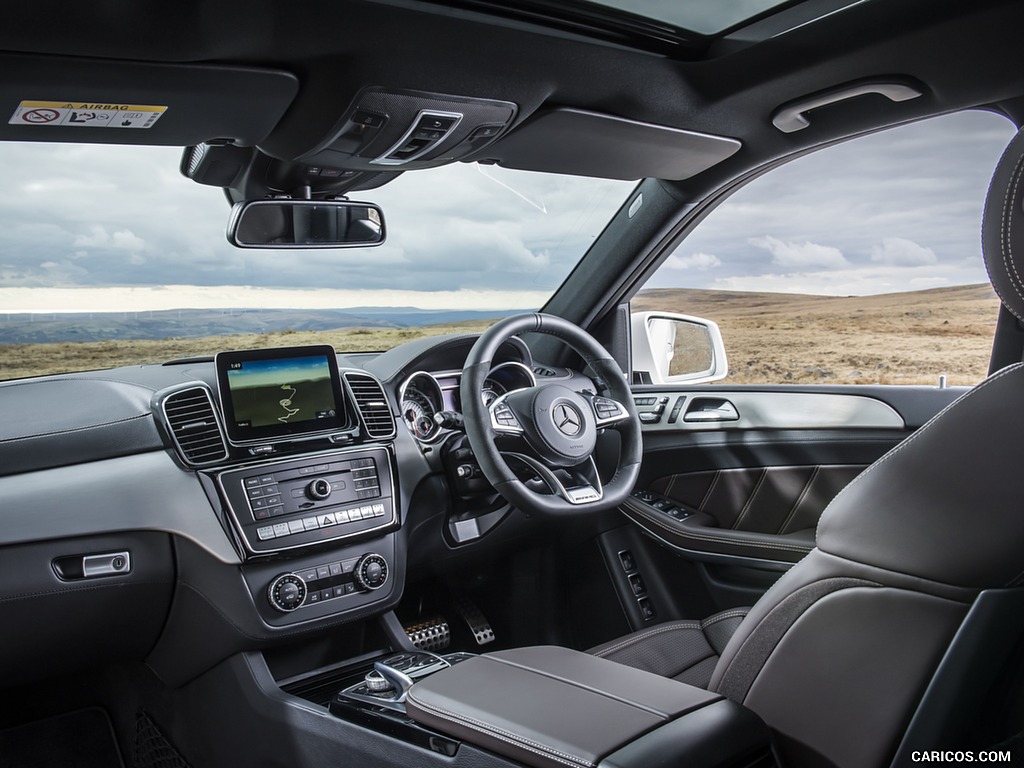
[(86, 114)]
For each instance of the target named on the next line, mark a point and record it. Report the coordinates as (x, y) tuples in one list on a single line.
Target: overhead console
[(399, 130), (379, 135)]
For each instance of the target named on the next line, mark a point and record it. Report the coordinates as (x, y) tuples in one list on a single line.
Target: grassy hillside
[(896, 338), (900, 338)]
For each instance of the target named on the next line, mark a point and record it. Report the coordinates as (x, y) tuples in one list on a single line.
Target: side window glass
[(857, 264)]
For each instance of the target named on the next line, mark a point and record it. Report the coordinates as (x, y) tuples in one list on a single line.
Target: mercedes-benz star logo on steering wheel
[(567, 419)]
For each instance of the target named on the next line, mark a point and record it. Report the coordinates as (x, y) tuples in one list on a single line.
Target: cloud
[(849, 219), (859, 280), (806, 254), (898, 251), (699, 260), (121, 240)]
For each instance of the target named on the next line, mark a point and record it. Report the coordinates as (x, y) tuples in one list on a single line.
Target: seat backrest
[(837, 656)]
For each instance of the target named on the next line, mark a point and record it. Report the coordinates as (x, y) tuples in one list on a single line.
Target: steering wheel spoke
[(581, 486)]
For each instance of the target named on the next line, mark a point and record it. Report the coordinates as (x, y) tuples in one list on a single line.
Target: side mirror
[(305, 224), (670, 348)]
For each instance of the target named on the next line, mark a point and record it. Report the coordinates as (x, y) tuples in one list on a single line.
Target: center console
[(552, 707)]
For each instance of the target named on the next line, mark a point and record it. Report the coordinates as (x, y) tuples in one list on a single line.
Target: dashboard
[(206, 507)]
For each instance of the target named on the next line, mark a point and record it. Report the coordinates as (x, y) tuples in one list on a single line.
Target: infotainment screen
[(269, 394)]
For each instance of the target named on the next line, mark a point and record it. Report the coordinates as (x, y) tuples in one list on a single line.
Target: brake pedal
[(475, 620), (433, 634)]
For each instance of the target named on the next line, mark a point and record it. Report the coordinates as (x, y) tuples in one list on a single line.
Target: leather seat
[(893, 632)]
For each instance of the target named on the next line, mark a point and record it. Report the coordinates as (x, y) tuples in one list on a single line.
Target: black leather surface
[(720, 735), (872, 648), (772, 499), (701, 533), (547, 706), (1002, 229), (60, 421), (945, 505), (686, 651)]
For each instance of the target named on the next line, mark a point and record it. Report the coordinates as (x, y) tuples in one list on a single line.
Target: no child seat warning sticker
[(86, 114)]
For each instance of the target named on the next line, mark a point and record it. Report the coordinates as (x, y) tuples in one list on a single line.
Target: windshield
[(111, 258)]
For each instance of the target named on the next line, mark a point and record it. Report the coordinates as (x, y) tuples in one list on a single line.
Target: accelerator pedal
[(475, 620), (432, 634)]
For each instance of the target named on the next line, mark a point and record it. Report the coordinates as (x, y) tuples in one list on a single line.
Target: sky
[(94, 228), (896, 211), (87, 228)]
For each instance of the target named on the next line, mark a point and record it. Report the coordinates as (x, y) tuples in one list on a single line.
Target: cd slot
[(292, 503)]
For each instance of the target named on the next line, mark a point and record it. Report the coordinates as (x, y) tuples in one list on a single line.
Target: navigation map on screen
[(280, 391)]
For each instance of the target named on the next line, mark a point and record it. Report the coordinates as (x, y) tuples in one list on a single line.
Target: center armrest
[(550, 707)]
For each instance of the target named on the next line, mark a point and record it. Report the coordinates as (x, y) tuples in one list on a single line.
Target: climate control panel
[(317, 584)]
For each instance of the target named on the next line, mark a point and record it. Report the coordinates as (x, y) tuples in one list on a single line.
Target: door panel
[(741, 487)]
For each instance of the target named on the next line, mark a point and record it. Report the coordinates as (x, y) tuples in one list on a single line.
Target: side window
[(857, 264)]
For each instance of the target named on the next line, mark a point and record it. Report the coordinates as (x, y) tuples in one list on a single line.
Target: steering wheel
[(550, 428)]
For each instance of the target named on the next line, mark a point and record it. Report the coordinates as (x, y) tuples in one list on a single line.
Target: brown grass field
[(899, 338), (896, 338)]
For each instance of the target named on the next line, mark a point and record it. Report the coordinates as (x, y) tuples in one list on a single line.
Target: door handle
[(711, 409)]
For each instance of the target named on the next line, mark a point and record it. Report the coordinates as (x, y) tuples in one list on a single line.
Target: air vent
[(372, 404), (192, 421)]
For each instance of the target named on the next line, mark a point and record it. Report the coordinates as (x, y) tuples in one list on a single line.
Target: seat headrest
[(1002, 228)]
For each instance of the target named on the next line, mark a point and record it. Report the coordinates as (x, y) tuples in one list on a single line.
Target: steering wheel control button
[(608, 411), (319, 489), (286, 592), (503, 419), (371, 571)]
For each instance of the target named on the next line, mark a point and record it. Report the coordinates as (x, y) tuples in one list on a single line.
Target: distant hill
[(717, 304), (16, 328)]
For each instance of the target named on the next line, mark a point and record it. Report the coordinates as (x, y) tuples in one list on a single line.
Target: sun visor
[(584, 143), (120, 102)]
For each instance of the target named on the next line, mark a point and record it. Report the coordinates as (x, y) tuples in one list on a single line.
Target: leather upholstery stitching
[(799, 500), (37, 382), (711, 488), (493, 731), (750, 499), (1005, 239), (671, 485), (748, 642), (722, 616), (722, 540), (647, 633), (85, 428)]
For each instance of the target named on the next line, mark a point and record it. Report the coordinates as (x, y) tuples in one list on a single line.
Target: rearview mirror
[(305, 224), (673, 348)]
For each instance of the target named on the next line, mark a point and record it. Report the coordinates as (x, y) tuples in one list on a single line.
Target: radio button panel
[(291, 503)]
